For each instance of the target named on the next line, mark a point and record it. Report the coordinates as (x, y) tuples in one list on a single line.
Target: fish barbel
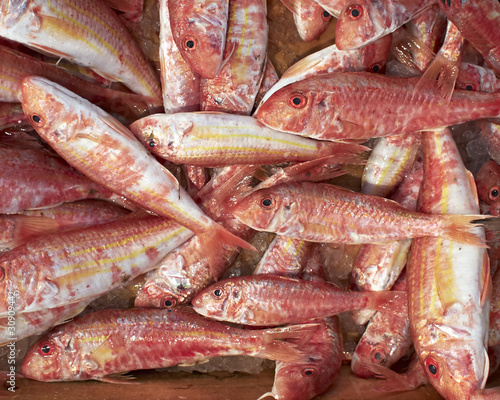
[(117, 341), (81, 132), (84, 31), (449, 283), (66, 267), (213, 139), (199, 29), (268, 300), (320, 212), (354, 105)]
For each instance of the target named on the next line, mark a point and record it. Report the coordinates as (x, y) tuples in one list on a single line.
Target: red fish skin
[(494, 328), (479, 23), (66, 267), (117, 341), (11, 114), (320, 212), (268, 300), (35, 178), (354, 105), (311, 20)]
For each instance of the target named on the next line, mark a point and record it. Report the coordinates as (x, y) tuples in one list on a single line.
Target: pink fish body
[(354, 105), (117, 341)]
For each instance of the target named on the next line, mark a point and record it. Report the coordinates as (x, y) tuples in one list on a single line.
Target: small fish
[(363, 21), (268, 300), (354, 105), (199, 28), (213, 139), (321, 212), (84, 31), (116, 341)]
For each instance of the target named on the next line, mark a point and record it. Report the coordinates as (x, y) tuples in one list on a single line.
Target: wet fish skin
[(116, 341), (354, 105), (86, 32)]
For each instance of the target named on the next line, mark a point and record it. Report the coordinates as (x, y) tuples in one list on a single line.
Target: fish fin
[(395, 382), (118, 378), (410, 51), (76, 312), (116, 126), (440, 76), (347, 153), (50, 50), (302, 66), (291, 5), (458, 228), (214, 242), (275, 348), (390, 301), (28, 227), (472, 185), (485, 279), (15, 10), (268, 394)]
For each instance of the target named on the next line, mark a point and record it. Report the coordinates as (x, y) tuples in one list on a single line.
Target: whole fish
[(235, 87), (320, 212), (212, 139), (84, 31), (479, 23), (363, 21), (15, 66), (354, 105), (116, 341), (180, 85), (34, 178), (81, 131), (199, 28), (267, 300), (449, 283), (66, 267)]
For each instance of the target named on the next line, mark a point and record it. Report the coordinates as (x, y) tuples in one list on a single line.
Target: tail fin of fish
[(410, 51), (275, 347), (214, 242), (395, 382), (347, 153), (461, 228), (391, 301)]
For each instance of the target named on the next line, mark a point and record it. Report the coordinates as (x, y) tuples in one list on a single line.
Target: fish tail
[(275, 347), (460, 228), (344, 153), (393, 382), (391, 301), (214, 243)]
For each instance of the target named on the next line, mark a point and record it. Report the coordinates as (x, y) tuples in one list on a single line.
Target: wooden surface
[(225, 386)]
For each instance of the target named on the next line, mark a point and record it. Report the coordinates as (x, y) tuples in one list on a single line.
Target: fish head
[(297, 381), (374, 55), (488, 183), (300, 107), (456, 368), (44, 104), (200, 34), (222, 300), (160, 295), (367, 354), (53, 358), (358, 24), (266, 209), (312, 23)]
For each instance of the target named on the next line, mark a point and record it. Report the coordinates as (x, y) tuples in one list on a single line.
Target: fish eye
[(378, 355), (36, 119), (168, 302), (432, 366), (309, 371), (376, 68), (493, 194), (151, 143), (46, 349), (325, 15), (190, 43), (217, 293), (267, 202), (355, 11), (469, 87), (298, 100)]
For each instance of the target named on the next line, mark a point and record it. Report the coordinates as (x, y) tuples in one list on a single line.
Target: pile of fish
[(89, 201)]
